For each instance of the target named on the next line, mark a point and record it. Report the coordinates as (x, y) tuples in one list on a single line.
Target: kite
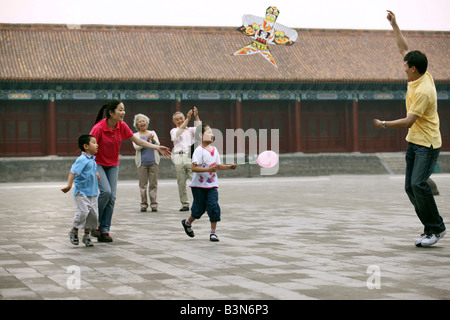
[(265, 31)]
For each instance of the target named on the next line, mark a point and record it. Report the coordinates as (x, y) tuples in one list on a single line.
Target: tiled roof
[(191, 54)]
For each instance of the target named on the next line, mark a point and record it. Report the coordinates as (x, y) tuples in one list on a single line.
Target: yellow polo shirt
[(421, 100)]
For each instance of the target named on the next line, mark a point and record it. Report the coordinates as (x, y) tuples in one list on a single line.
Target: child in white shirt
[(204, 184)]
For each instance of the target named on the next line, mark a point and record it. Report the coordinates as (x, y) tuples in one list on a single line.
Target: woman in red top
[(109, 133)]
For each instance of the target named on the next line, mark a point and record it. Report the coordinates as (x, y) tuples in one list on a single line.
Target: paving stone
[(281, 238)]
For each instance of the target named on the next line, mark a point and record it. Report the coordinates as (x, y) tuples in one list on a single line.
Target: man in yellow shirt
[(424, 138)]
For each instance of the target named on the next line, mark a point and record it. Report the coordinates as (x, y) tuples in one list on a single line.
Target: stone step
[(394, 162)]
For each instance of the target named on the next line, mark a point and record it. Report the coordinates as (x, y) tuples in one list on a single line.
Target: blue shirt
[(85, 171), (147, 155)]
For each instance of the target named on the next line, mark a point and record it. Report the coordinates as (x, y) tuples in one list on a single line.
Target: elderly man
[(183, 138)]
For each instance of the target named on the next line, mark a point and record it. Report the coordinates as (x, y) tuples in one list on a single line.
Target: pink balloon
[(267, 159)]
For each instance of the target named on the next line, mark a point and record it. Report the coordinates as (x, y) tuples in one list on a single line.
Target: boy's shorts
[(206, 200), (86, 212)]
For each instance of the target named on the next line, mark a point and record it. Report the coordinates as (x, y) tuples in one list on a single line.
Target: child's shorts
[(206, 200), (86, 212)]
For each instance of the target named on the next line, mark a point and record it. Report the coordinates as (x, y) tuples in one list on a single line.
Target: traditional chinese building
[(328, 88)]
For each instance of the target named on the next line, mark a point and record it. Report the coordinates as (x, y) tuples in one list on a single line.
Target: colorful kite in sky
[(265, 31)]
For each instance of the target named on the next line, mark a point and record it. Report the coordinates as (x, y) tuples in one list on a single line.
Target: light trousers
[(183, 171), (148, 185), (86, 211)]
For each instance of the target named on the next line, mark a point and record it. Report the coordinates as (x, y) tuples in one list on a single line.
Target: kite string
[(251, 162)]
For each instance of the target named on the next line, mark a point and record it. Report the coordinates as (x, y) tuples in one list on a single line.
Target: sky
[(321, 14)]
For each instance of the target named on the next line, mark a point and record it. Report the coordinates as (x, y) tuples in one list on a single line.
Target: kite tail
[(257, 47)]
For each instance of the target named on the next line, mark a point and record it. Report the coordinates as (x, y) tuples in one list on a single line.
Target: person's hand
[(233, 166), (150, 138), (212, 168), (189, 115), (66, 189), (164, 151), (391, 18), (195, 112), (98, 176), (377, 123)]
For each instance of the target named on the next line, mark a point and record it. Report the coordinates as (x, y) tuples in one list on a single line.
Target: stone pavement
[(326, 237)]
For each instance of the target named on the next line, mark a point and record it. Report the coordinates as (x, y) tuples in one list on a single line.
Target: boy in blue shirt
[(84, 176)]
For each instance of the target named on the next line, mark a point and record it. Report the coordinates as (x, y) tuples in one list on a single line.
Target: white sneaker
[(432, 239), (418, 242)]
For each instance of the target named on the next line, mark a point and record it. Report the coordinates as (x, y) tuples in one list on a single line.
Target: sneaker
[(433, 238), (87, 242), (74, 237), (213, 237), (187, 229), (184, 209), (95, 233), (104, 237), (418, 242)]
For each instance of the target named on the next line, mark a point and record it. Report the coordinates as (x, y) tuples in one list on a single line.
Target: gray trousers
[(148, 184), (86, 212)]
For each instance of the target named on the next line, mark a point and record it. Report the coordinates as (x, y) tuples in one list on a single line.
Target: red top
[(109, 141)]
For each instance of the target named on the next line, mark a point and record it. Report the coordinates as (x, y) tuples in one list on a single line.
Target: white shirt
[(184, 142), (205, 159)]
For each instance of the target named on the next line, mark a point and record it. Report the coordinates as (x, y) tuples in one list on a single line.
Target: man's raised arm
[(399, 40)]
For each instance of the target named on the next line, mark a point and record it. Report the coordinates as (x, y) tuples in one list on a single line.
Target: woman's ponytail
[(100, 114), (110, 106)]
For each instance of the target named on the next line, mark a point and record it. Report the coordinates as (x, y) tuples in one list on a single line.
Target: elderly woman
[(147, 161)]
